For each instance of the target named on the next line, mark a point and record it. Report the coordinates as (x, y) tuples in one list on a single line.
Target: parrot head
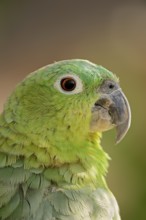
[(62, 103)]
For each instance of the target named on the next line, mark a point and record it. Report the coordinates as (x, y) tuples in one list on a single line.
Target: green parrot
[(52, 166)]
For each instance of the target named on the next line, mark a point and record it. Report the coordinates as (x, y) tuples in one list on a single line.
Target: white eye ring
[(69, 84)]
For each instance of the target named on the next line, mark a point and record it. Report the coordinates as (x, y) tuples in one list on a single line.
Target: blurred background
[(109, 33)]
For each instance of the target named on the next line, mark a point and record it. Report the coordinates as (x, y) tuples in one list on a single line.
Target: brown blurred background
[(110, 33)]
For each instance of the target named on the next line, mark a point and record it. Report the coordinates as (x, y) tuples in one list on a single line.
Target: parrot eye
[(69, 84)]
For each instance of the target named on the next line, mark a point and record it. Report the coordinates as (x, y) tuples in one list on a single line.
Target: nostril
[(111, 86)]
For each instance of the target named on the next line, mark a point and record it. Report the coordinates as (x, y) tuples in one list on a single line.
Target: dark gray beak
[(120, 112), (112, 110)]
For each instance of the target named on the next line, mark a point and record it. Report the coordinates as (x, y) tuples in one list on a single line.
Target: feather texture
[(51, 166)]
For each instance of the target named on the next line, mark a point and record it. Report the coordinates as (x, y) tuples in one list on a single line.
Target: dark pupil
[(68, 84)]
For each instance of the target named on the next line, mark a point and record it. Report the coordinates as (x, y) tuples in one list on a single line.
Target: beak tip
[(118, 140), (122, 130)]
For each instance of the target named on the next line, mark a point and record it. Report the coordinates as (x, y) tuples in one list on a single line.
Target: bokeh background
[(109, 33)]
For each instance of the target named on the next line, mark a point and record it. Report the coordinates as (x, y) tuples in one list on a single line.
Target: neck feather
[(85, 164)]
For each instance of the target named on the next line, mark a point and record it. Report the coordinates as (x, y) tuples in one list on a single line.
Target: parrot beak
[(120, 113), (112, 110)]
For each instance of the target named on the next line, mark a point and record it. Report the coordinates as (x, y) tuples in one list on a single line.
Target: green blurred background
[(110, 33)]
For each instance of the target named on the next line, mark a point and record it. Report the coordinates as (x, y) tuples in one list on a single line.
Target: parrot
[(52, 164)]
